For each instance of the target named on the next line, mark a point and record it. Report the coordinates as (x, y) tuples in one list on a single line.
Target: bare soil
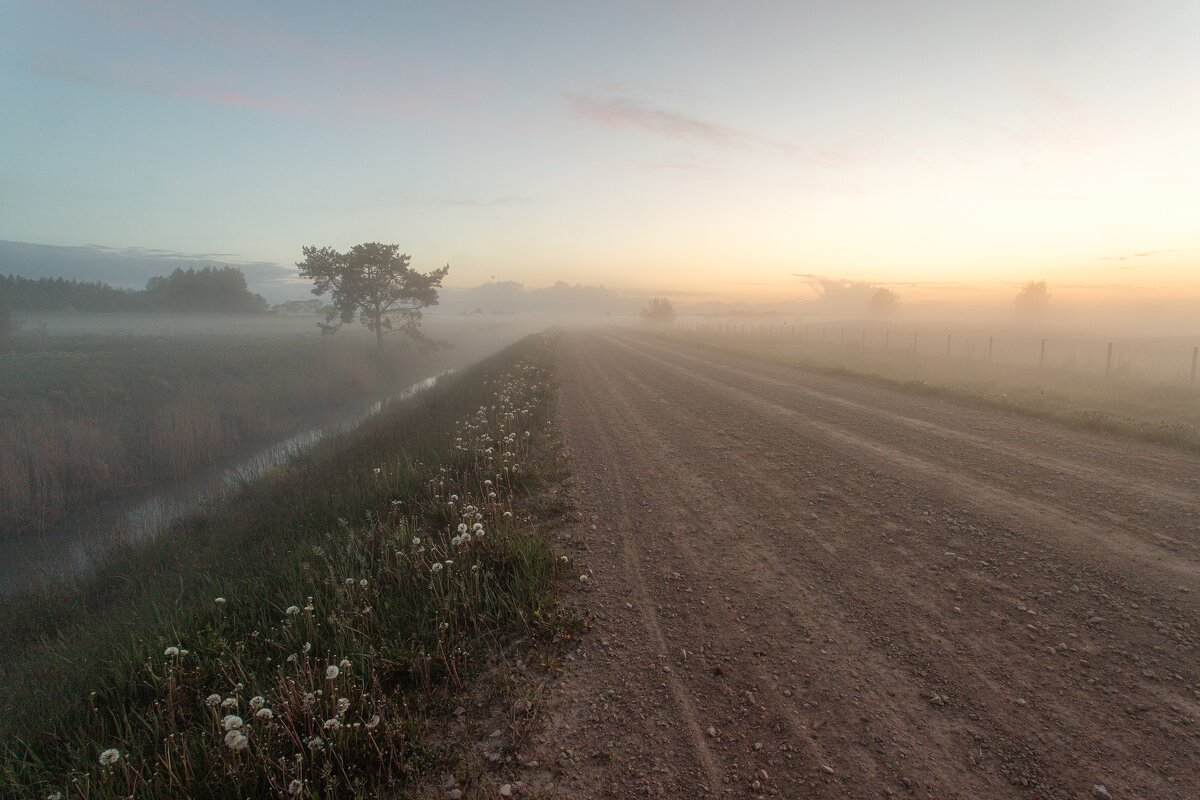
[(811, 586)]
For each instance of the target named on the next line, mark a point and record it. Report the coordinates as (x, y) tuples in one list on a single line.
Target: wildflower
[(309, 607), (229, 702), (236, 740), (477, 527), (292, 611), (265, 713), (344, 663), (331, 672), (291, 658), (110, 756), (309, 697), (343, 705), (373, 722), (349, 581), (307, 646), (296, 786), (332, 725), (508, 515), (363, 583), (416, 540), (171, 652), (257, 702), (447, 562), (377, 470), (219, 601), (213, 700), (437, 567), (232, 722), (316, 743)]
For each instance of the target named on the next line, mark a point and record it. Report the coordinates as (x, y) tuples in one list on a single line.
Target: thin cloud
[(627, 112), (512, 200), (1135, 255)]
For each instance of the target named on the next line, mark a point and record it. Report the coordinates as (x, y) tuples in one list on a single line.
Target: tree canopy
[(1032, 299), (373, 282), (660, 310)]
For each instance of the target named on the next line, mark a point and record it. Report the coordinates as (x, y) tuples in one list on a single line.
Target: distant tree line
[(209, 289)]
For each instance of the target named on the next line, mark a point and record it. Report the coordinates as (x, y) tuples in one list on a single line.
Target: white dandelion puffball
[(373, 722), (257, 702), (331, 672), (292, 611), (229, 702), (219, 601), (110, 756), (462, 527), (363, 583), (343, 705), (264, 713), (332, 725), (236, 740), (232, 722), (437, 567), (171, 652), (213, 700), (349, 581), (344, 663), (416, 540), (296, 786), (477, 527)]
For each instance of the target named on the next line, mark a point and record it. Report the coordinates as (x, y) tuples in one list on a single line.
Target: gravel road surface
[(813, 586)]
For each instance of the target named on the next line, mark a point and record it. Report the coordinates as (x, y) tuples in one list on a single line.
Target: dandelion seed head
[(349, 581), (257, 702), (477, 527), (343, 705), (292, 611), (296, 786), (219, 601), (331, 672), (363, 583), (229, 702), (437, 567), (344, 663), (232, 722), (264, 713), (373, 722), (307, 646), (416, 540), (213, 700), (110, 756), (236, 740), (171, 652), (333, 724), (462, 527)]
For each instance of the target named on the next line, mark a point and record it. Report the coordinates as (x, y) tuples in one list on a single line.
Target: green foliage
[(373, 282), (8, 325), (353, 633), (211, 289), (659, 311)]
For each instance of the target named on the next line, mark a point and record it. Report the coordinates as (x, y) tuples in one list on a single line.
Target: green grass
[(85, 417), (331, 564), (1120, 403)]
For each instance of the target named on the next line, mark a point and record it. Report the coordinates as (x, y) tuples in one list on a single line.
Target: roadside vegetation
[(304, 641), (85, 417), (1120, 402)]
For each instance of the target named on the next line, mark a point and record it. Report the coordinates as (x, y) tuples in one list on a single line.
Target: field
[(1136, 385), (312, 638), (94, 406)]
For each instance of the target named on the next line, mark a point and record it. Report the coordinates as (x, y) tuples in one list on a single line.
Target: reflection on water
[(66, 549)]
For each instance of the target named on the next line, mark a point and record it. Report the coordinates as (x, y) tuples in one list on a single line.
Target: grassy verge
[(1129, 407), (300, 643), (84, 417)]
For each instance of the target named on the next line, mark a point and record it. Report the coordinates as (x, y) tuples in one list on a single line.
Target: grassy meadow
[(92, 408), (1143, 391), (310, 638)]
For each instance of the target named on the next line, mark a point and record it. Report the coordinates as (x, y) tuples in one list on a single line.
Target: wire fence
[(1159, 359)]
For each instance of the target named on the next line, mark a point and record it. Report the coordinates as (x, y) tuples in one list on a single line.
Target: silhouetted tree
[(659, 311), (373, 282), (883, 302), (8, 325), (218, 289), (1032, 299)]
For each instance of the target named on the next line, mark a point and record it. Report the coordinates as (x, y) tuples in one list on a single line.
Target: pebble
[(1100, 793), (454, 794), (712, 732), (506, 790), (522, 706)]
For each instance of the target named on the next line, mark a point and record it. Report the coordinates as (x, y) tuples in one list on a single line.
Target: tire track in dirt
[(1049, 517), (887, 634)]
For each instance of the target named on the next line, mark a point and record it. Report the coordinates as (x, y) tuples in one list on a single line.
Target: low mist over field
[(599, 400)]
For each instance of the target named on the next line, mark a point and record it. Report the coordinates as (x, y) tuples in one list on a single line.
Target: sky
[(697, 150)]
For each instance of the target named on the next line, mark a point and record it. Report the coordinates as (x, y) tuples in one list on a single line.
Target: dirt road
[(809, 586)]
